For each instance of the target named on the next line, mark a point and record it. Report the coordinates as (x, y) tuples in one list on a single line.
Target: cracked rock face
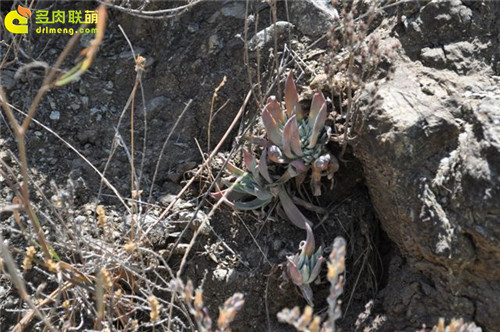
[(430, 148)]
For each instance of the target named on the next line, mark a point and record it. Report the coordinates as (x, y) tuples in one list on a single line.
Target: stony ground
[(187, 58)]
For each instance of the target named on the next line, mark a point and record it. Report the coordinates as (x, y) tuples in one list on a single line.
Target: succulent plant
[(295, 144), (254, 190), (299, 140), (304, 267)]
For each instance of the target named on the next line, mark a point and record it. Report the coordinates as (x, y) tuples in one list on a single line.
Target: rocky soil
[(416, 198)]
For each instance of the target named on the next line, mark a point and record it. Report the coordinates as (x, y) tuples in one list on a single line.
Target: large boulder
[(430, 148)]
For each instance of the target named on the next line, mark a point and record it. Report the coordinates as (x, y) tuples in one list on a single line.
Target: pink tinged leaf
[(294, 272), (316, 104), (234, 170), (251, 163), (316, 180), (299, 166), (273, 106), (295, 168), (291, 210), (319, 123), (220, 195), (296, 149), (291, 139), (291, 96), (263, 169), (272, 129), (309, 245)]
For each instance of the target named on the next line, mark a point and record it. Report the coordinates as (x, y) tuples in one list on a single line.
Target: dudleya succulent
[(299, 140), (304, 267), (295, 143), (254, 190)]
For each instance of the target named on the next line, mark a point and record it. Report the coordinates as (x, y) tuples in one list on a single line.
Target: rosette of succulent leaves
[(295, 144), (304, 267)]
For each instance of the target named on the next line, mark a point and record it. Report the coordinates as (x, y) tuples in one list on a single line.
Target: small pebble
[(54, 115)]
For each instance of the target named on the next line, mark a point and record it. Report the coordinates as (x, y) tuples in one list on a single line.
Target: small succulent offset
[(304, 267), (307, 322), (297, 140)]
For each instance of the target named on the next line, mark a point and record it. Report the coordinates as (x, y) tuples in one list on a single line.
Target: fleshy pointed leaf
[(318, 253), (234, 170), (291, 139), (250, 205), (291, 97), (309, 245), (316, 105), (251, 164), (272, 129), (294, 272), (305, 270), (240, 188), (301, 258), (316, 180), (296, 148), (218, 194), (319, 123), (299, 166), (273, 106), (263, 169), (262, 194), (317, 268), (295, 168), (291, 210)]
